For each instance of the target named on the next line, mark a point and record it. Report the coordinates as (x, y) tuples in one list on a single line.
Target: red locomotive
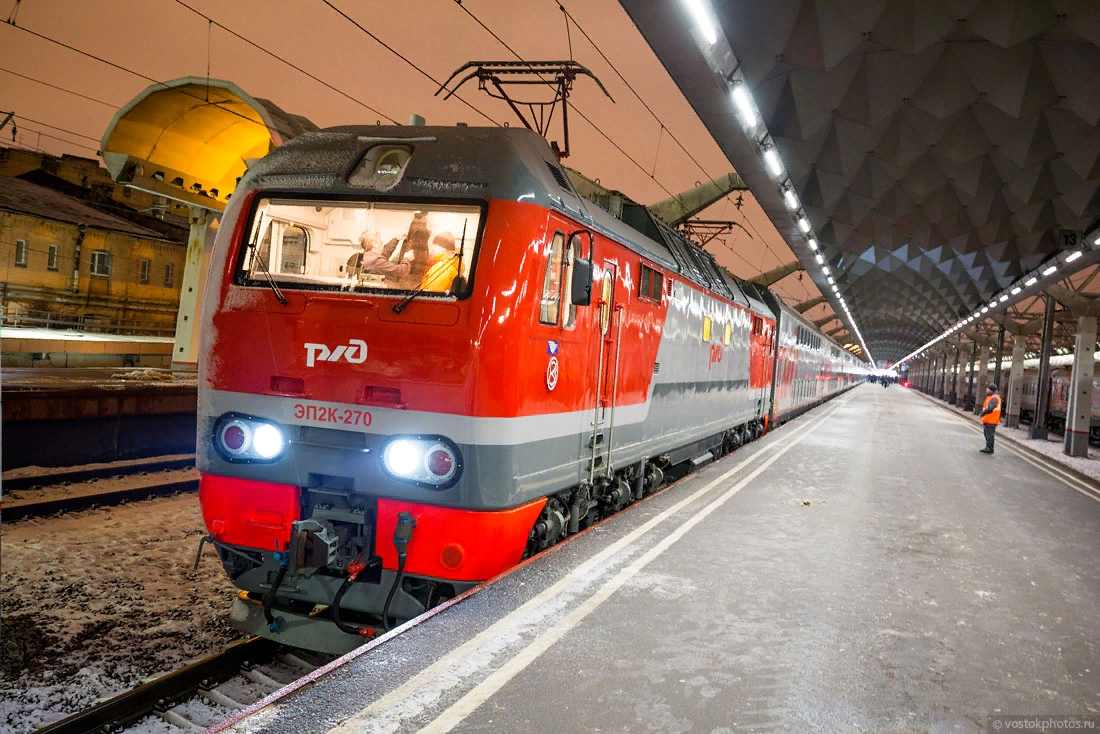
[(424, 356)]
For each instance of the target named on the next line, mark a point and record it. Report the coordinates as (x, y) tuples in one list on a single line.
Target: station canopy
[(942, 150), (191, 139)]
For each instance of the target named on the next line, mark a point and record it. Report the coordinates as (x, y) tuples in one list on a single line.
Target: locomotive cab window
[(361, 246), (557, 283), (550, 306)]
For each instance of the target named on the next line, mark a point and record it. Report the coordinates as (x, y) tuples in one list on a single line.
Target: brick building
[(64, 262)]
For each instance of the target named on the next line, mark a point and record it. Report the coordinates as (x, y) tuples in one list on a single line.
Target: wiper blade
[(271, 281), (400, 306)]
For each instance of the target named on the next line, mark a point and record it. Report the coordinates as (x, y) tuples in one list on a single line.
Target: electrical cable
[(24, 129), (61, 89), (54, 127), (138, 74), (299, 69), (399, 55)]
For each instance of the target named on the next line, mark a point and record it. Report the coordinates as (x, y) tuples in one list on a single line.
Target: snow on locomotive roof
[(475, 163)]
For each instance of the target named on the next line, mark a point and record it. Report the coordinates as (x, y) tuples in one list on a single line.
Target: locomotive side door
[(609, 325)]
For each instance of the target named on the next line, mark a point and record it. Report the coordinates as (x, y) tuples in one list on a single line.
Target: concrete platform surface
[(861, 569)]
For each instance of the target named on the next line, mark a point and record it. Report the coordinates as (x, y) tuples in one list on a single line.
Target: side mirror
[(582, 282)]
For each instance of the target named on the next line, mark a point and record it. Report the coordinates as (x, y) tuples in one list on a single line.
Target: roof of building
[(24, 197)]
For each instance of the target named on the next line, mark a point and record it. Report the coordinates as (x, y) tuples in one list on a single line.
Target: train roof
[(482, 163)]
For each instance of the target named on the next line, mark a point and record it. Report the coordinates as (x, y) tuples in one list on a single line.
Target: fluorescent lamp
[(804, 224), (1073, 256), (1030, 282), (820, 259), (813, 244), (791, 199), (1050, 270), (993, 303), (774, 164), (825, 269), (831, 280), (701, 16), (1016, 290), (1002, 299), (745, 106), (985, 309)]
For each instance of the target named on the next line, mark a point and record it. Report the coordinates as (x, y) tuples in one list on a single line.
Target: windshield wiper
[(270, 281), (399, 307)]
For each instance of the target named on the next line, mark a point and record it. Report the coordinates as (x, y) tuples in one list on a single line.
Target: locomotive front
[(339, 383)]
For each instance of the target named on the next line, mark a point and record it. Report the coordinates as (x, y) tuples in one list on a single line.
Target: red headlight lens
[(440, 462), (233, 437)]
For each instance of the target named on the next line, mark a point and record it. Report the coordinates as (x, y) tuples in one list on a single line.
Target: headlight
[(428, 460), (243, 438)]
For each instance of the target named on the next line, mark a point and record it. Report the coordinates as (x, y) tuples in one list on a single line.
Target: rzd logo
[(355, 351)]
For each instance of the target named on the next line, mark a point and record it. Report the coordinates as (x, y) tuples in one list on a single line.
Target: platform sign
[(1069, 239)]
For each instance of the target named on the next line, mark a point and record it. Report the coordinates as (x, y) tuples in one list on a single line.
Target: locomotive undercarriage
[(333, 555), (575, 509)]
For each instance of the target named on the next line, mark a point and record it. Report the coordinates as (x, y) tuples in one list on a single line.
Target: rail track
[(41, 483), (225, 682)]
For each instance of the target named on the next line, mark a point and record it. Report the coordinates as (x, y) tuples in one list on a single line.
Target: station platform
[(862, 568), (34, 347)]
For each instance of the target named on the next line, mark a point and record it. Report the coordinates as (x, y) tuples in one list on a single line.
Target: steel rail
[(175, 687), (102, 472), (83, 502)]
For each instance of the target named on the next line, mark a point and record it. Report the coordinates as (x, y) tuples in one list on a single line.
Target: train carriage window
[(550, 307), (361, 246)]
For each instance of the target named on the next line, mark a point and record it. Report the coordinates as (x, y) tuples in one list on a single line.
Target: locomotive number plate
[(328, 415)]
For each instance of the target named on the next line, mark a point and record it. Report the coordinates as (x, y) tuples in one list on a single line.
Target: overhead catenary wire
[(132, 72), (23, 129), (404, 58), (280, 59), (60, 89), (581, 114), (52, 127)]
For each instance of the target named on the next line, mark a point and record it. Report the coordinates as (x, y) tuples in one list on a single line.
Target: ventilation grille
[(556, 172)]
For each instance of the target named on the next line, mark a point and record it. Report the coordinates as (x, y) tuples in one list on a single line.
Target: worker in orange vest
[(991, 416)]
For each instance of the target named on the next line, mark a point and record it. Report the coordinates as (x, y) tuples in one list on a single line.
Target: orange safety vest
[(994, 415)]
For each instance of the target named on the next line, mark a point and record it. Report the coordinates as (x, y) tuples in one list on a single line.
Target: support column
[(983, 379), (1079, 410), (956, 374), (185, 351), (942, 395), (1038, 428), (1000, 358), (972, 356), (1015, 392)]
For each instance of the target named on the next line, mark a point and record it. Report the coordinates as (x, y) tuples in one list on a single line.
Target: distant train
[(425, 356)]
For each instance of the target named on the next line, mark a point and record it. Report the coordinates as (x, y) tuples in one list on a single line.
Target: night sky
[(163, 40)]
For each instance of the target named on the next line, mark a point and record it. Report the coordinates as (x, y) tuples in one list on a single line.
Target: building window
[(51, 261), (101, 264), (21, 253), (145, 271), (169, 278)]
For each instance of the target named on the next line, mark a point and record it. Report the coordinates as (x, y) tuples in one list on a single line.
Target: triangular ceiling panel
[(937, 145)]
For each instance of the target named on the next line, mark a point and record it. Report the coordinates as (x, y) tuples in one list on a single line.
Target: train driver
[(444, 265)]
